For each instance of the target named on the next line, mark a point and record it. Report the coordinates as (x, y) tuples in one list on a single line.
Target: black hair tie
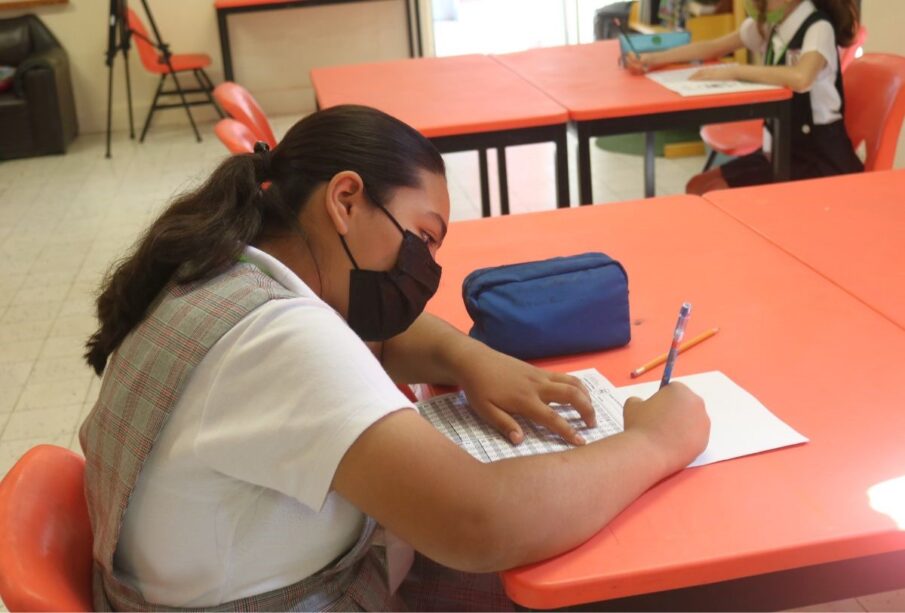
[(263, 167)]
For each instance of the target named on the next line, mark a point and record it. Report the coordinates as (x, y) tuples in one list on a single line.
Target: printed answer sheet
[(739, 424), (452, 416)]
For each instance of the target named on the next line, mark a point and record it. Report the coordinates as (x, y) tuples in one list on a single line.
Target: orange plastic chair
[(875, 106), (241, 105), (45, 535), (734, 139), (740, 138), (153, 61), (235, 135)]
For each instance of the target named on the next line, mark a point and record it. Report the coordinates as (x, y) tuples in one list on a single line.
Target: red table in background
[(850, 229), (226, 8), (812, 353), (462, 103), (602, 99)]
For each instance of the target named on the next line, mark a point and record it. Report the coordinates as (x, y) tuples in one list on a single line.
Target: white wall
[(884, 20), (272, 51)]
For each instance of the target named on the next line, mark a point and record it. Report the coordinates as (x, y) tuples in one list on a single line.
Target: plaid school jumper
[(142, 383)]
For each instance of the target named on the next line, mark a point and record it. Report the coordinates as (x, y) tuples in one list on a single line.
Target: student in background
[(799, 41), (247, 439)]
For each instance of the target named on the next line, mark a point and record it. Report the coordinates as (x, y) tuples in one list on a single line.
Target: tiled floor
[(64, 219)]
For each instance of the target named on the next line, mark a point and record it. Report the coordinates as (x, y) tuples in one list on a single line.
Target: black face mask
[(383, 304)]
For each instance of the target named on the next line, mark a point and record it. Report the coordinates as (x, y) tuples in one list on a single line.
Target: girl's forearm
[(427, 352), (584, 489), (784, 76)]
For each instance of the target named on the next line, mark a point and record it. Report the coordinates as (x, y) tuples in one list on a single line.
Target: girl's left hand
[(724, 73), (499, 386)]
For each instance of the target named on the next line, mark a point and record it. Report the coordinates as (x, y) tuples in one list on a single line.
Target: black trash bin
[(603, 19)]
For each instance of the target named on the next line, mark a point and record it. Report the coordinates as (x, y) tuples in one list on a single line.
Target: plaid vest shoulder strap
[(143, 380)]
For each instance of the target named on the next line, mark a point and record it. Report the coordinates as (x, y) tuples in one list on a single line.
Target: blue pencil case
[(647, 43), (551, 307)]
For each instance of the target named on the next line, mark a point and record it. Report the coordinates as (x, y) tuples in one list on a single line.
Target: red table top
[(587, 80), (441, 96), (812, 353), (228, 4), (850, 229)]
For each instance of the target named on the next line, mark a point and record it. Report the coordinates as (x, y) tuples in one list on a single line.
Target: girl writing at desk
[(249, 435), (798, 40)]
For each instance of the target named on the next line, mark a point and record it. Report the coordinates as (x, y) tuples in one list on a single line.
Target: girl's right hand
[(674, 420), (637, 64)]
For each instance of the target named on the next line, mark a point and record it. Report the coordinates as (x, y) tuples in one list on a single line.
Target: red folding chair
[(156, 59), (739, 138), (241, 105), (45, 534)]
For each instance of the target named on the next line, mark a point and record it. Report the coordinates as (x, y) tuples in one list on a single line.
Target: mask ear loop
[(348, 253), (385, 212), (393, 219)]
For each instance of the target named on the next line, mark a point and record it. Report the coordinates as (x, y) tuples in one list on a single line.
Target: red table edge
[(671, 578), (797, 258), (776, 95), (230, 4)]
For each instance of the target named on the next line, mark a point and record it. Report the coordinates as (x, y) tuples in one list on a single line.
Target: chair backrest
[(150, 57), (45, 534), (848, 54), (237, 137), (875, 106), (241, 105)]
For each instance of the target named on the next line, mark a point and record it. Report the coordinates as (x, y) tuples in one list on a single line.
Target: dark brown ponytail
[(203, 232), (845, 18)]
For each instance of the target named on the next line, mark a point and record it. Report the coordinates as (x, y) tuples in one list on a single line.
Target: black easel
[(118, 36)]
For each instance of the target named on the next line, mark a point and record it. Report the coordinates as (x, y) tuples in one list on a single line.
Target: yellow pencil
[(700, 338)]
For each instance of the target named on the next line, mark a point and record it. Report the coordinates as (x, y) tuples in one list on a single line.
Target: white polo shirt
[(234, 499), (826, 104)]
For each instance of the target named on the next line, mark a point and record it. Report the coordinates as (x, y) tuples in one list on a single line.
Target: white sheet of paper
[(678, 81), (739, 424)]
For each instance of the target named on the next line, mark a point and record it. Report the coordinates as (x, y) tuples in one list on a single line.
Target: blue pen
[(684, 312)]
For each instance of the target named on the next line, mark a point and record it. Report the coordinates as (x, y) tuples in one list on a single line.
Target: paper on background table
[(740, 424), (678, 81)]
